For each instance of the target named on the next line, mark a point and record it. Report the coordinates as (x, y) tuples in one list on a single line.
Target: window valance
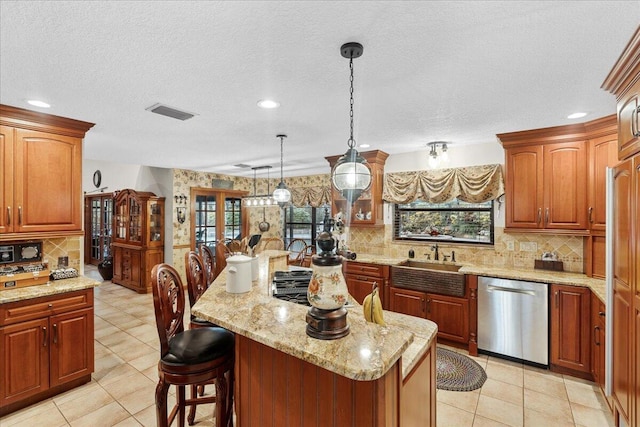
[(310, 196), (472, 184)]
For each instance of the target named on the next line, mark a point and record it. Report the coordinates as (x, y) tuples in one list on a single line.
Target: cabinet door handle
[(44, 336), (539, 215), (634, 121), (428, 306), (596, 335), (546, 216), (8, 215), (557, 298), (55, 333), (591, 215), (19, 215)]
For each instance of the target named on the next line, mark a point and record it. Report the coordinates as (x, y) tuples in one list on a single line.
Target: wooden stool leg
[(192, 408), (162, 389), (181, 406)]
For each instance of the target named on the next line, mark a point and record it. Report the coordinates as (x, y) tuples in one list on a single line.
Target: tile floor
[(126, 353)]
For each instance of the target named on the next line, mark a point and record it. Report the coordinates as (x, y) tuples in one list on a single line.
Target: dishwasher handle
[(512, 290)]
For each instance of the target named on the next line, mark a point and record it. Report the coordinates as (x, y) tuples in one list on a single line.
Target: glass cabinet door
[(121, 220), (155, 221), (135, 221)]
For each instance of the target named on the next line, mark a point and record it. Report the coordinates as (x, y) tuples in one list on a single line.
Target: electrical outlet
[(63, 261), (511, 246), (528, 246)]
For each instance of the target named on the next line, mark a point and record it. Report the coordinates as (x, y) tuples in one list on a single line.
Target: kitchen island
[(46, 336), (375, 376)]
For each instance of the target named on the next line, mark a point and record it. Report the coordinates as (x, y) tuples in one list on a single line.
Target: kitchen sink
[(425, 265), (444, 279)]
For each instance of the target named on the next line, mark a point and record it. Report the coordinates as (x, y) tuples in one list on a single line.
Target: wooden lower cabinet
[(46, 347), (451, 314), (276, 389), (598, 314), (570, 341), (132, 267), (360, 277)]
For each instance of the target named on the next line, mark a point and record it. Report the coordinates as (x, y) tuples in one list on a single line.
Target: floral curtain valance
[(474, 184), (310, 196)]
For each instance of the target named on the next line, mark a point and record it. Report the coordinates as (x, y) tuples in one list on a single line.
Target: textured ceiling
[(453, 71)]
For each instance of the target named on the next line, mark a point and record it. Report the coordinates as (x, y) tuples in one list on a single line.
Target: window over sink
[(454, 221)]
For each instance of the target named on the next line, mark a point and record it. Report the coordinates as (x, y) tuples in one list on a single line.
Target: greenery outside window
[(303, 223), (454, 221)]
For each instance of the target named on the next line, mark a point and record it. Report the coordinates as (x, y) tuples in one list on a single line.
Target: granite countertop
[(598, 286), (52, 287), (365, 354)]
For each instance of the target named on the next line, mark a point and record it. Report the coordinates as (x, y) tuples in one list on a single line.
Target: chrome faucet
[(436, 256)]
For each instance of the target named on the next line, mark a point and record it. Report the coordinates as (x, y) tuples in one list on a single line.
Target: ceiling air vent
[(170, 112)]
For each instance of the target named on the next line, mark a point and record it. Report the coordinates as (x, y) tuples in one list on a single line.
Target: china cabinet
[(367, 210), (138, 238), (40, 174), (98, 217), (624, 82)]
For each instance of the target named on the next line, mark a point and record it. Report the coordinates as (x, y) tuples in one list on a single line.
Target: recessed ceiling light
[(37, 103), (267, 103), (576, 115), (364, 146)]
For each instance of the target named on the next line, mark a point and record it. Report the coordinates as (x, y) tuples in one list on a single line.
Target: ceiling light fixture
[(576, 115), (436, 159), (268, 104), (282, 195), (350, 175), (259, 199), (37, 103)]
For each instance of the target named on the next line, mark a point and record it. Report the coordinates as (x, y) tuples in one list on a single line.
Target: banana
[(366, 307), (372, 307), (378, 315)]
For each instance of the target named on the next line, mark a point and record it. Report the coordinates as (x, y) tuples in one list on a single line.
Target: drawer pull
[(50, 305), (428, 306), (591, 215), (55, 333), (44, 336)]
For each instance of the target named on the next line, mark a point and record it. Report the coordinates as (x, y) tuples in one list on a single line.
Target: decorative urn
[(327, 293)]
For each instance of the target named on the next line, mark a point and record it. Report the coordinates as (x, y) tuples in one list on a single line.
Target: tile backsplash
[(517, 250), (61, 247)]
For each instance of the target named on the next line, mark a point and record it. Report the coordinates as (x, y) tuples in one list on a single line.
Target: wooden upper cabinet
[(546, 175), (524, 177), (367, 210), (603, 153), (624, 82), (564, 179), (41, 177)]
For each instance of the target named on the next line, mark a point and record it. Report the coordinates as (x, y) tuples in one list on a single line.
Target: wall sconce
[(181, 212), (436, 160)]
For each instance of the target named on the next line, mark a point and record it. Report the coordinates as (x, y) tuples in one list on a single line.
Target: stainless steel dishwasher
[(513, 319)]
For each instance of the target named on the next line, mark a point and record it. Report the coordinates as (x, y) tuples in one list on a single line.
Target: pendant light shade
[(350, 175), (282, 195)]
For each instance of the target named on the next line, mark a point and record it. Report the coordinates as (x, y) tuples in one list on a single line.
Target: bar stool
[(209, 261), (189, 357)]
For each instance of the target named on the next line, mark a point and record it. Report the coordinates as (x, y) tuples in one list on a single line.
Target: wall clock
[(97, 178)]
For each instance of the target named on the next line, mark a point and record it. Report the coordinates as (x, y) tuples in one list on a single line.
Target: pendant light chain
[(281, 160), (351, 141)]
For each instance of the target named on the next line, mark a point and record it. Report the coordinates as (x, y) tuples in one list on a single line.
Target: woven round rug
[(457, 372)]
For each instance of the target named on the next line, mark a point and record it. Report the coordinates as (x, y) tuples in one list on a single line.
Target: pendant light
[(282, 195), (350, 175)]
